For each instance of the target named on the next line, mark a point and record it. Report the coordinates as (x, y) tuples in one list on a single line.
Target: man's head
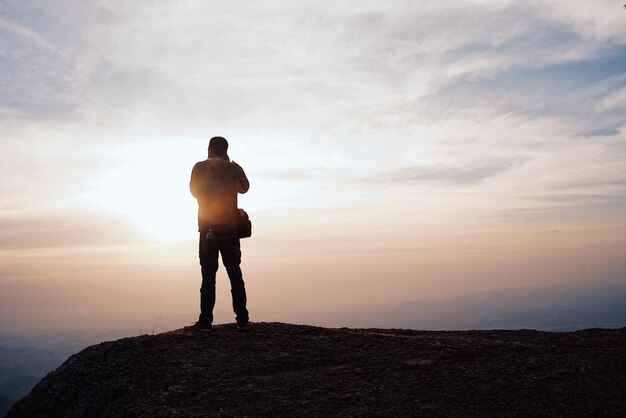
[(218, 147)]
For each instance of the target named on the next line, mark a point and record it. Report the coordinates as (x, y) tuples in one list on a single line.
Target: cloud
[(408, 91), (456, 175), (601, 132), (564, 89), (614, 100), (579, 198), (599, 21), (134, 66), (29, 35), (50, 229), (296, 174)]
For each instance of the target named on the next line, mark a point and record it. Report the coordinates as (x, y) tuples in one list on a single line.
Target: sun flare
[(150, 187)]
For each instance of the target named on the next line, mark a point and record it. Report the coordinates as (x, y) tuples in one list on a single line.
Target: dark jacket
[(215, 183)]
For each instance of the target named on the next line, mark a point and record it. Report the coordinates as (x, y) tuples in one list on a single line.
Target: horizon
[(562, 307), (396, 153)]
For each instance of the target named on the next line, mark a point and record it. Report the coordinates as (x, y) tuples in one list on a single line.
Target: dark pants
[(230, 249)]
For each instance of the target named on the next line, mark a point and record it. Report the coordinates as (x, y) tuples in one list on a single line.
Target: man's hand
[(244, 184)]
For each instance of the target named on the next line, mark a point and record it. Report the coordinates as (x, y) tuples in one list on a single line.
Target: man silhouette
[(215, 183)]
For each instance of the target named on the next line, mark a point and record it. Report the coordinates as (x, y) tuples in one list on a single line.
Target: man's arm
[(193, 183), (244, 184)]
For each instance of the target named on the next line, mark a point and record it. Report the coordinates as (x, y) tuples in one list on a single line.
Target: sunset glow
[(148, 187), (396, 151)]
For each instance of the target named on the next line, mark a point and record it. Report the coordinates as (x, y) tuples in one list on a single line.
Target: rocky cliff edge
[(277, 369)]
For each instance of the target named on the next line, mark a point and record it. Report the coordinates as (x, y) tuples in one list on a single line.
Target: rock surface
[(278, 369)]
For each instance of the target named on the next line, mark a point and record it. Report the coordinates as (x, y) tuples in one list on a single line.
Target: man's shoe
[(243, 326), (202, 327)]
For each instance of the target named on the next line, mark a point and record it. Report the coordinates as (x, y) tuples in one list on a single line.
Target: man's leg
[(209, 264), (231, 256)]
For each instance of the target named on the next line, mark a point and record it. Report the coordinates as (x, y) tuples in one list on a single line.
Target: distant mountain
[(24, 360), (22, 367), (293, 370), (554, 308), (5, 404)]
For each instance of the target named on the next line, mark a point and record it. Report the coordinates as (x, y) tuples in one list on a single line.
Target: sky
[(397, 151)]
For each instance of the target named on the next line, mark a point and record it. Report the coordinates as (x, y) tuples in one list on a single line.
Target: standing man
[(215, 183)]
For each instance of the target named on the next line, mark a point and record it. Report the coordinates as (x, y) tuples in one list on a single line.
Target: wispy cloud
[(290, 175), (76, 230), (450, 174), (30, 35), (614, 100), (575, 199), (601, 132)]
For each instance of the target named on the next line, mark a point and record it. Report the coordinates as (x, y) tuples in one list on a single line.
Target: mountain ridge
[(287, 370), (554, 307)]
